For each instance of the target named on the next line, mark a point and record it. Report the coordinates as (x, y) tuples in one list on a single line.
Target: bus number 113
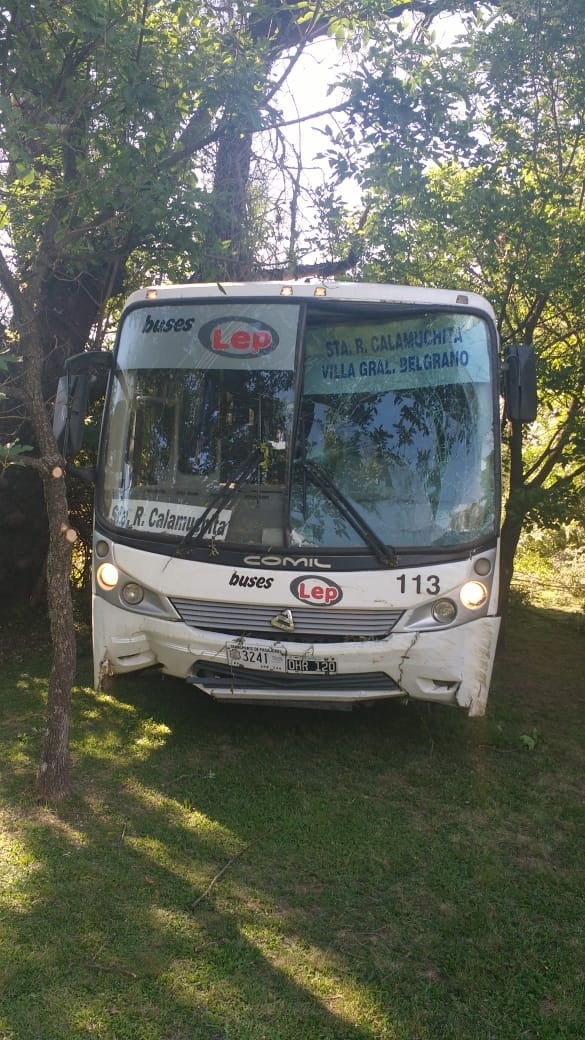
[(429, 584)]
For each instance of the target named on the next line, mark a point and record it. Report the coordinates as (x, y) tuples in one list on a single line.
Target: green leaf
[(11, 451)]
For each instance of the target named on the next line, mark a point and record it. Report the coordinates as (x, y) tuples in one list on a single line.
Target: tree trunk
[(227, 249), (515, 513), (511, 531), (53, 781)]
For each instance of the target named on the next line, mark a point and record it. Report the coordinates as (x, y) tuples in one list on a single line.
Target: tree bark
[(53, 781), (515, 512), (511, 531)]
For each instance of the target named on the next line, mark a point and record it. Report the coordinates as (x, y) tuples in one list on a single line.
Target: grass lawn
[(232, 873)]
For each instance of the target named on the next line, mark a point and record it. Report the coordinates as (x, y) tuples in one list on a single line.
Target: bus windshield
[(278, 425)]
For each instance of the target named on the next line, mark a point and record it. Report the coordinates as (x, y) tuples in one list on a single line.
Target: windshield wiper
[(217, 502), (385, 554)]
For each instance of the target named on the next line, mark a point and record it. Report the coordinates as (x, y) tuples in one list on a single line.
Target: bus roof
[(347, 292)]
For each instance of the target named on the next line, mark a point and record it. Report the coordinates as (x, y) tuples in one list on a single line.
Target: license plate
[(256, 657), (311, 665), (259, 658)]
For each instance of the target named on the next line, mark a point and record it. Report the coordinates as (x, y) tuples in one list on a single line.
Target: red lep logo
[(238, 337), (319, 592)]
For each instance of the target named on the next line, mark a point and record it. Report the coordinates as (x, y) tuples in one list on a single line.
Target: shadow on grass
[(397, 873)]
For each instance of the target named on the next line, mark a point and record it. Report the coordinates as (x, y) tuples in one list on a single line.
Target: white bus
[(298, 491)]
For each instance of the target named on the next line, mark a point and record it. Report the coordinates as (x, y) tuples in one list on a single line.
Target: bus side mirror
[(70, 412), (520, 391), (85, 380)]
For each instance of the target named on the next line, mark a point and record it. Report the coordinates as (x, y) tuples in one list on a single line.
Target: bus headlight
[(107, 576), (444, 611), (132, 593), (473, 595)]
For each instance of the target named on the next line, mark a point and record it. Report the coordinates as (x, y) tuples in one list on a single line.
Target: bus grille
[(222, 677), (310, 623)]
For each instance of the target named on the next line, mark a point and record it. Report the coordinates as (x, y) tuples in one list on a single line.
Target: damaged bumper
[(451, 666)]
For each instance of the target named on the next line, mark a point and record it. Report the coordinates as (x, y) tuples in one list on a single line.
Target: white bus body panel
[(351, 292), (445, 664)]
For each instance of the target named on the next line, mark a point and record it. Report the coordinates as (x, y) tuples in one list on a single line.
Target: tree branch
[(555, 454)]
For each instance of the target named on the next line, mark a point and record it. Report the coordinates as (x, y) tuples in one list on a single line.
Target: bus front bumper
[(447, 666)]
